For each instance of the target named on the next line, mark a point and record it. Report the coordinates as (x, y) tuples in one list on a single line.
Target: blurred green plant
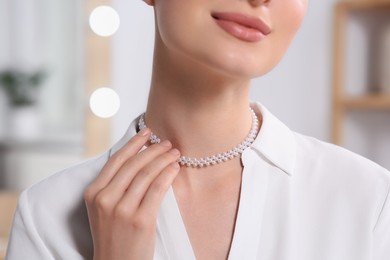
[(21, 87)]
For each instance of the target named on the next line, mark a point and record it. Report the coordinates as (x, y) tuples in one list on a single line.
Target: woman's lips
[(241, 26)]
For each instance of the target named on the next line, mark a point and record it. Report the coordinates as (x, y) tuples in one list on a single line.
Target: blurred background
[(73, 75)]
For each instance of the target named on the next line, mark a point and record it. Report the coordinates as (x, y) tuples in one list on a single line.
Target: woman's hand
[(124, 200)]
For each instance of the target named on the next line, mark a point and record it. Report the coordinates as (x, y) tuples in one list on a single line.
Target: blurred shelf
[(341, 101), (373, 102), (353, 5), (59, 142), (8, 202)]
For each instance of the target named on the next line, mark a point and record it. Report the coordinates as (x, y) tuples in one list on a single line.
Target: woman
[(280, 195)]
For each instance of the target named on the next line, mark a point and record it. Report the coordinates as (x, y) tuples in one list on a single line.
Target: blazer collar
[(275, 141)]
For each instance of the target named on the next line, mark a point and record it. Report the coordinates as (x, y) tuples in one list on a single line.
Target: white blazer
[(301, 199)]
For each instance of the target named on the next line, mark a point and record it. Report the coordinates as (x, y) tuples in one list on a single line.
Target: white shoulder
[(68, 183), (51, 220), (334, 156), (341, 171)]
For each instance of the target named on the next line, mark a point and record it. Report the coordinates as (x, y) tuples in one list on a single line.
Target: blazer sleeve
[(25, 241), (381, 248)]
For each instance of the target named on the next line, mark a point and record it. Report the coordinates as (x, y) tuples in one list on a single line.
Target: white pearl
[(214, 159)]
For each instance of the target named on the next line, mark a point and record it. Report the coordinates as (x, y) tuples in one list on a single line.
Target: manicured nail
[(166, 143), (174, 151), (144, 132)]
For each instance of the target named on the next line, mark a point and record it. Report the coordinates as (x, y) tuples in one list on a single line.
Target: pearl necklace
[(213, 159)]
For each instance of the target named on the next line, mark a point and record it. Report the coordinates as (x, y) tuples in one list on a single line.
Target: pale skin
[(199, 102)]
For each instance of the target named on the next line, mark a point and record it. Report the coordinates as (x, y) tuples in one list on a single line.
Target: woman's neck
[(199, 111)]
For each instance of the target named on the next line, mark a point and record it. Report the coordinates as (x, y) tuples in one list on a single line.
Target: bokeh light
[(104, 20), (104, 102)]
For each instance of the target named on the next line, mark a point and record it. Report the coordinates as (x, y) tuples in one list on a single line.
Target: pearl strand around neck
[(213, 159)]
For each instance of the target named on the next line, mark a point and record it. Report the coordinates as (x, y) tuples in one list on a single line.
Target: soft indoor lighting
[(104, 102), (104, 20)]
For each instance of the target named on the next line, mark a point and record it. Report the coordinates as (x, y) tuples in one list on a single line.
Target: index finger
[(116, 161)]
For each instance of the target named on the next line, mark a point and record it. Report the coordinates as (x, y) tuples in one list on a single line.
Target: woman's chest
[(210, 227), (209, 218)]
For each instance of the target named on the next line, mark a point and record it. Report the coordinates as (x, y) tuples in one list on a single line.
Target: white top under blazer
[(301, 199)]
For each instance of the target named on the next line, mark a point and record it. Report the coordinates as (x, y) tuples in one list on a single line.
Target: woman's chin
[(244, 71), (237, 66)]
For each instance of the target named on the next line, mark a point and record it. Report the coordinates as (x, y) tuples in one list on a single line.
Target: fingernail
[(166, 143), (174, 151), (144, 132)]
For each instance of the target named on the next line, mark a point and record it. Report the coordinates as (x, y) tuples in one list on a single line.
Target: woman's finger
[(116, 161), (151, 202), (123, 178), (144, 178)]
